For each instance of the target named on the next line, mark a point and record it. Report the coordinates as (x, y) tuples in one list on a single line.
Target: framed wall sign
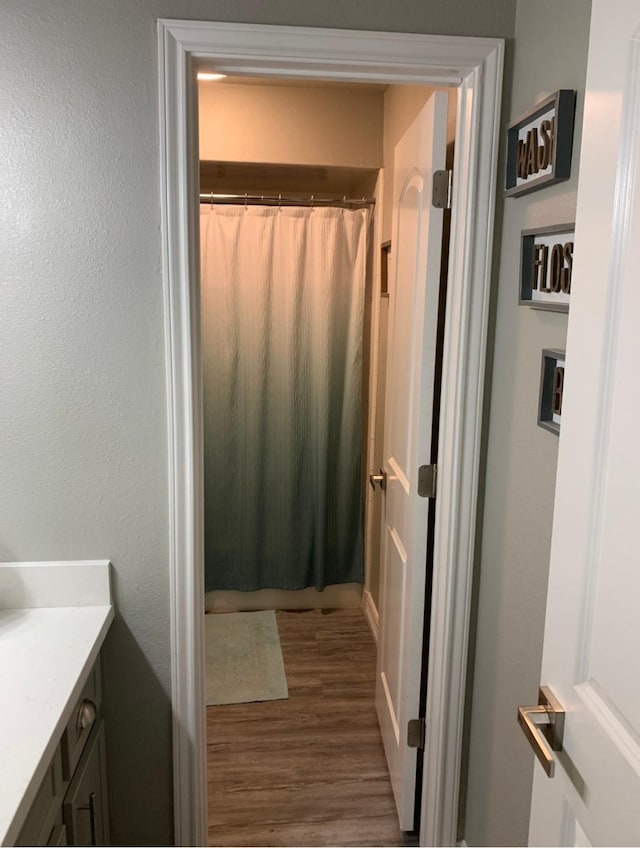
[(546, 264), (385, 249), (551, 389), (539, 144)]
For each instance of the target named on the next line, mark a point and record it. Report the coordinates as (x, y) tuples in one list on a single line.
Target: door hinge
[(427, 481), (415, 733), (442, 186)]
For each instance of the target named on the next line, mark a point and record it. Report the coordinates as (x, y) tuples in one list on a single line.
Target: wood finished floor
[(309, 770)]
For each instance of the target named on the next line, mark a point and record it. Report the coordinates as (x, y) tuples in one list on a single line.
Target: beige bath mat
[(244, 658)]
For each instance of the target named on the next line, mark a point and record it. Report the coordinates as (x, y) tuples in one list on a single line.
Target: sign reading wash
[(546, 265), (539, 144)]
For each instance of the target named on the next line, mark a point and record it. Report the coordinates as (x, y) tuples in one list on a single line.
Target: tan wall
[(520, 456), (295, 125), (343, 127)]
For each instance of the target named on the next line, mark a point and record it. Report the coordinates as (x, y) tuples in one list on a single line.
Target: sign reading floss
[(546, 267)]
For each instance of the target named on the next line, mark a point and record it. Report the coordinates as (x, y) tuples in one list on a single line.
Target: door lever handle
[(543, 725), (380, 479)]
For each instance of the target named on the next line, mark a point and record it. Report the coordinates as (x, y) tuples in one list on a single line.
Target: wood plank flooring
[(309, 770)]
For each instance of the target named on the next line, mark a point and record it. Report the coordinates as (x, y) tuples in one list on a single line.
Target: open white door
[(592, 634), (414, 287)]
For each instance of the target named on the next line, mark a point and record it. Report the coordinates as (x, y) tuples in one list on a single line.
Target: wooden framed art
[(539, 144), (551, 390), (546, 265)]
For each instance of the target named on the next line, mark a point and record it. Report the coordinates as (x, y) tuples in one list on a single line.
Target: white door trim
[(475, 65)]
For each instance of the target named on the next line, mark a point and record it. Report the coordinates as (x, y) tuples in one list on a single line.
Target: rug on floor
[(244, 658)]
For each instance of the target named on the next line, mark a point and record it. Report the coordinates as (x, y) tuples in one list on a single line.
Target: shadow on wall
[(139, 767), (509, 48)]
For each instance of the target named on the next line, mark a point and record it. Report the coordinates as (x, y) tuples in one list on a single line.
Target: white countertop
[(46, 655)]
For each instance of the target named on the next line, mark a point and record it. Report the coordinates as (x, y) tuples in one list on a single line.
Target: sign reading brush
[(551, 390)]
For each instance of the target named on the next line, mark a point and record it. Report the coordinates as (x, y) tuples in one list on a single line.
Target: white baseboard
[(337, 596), (370, 612)]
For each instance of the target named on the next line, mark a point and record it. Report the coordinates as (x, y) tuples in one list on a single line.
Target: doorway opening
[(475, 65), (311, 150)]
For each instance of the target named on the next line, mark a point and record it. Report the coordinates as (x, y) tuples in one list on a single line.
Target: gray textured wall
[(83, 429), (551, 42)]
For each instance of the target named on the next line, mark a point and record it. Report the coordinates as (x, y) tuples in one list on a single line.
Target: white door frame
[(475, 66)]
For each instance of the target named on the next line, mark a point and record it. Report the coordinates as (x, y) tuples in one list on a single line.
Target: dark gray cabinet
[(85, 808), (71, 805), (44, 822)]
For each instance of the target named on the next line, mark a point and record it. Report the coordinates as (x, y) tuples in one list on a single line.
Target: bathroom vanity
[(53, 620)]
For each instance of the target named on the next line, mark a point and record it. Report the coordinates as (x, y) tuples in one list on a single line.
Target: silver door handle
[(543, 725), (380, 479)]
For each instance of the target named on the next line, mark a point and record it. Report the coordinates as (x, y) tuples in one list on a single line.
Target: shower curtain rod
[(279, 200)]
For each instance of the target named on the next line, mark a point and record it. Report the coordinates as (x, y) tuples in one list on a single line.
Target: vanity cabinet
[(44, 822), (85, 807), (71, 805)]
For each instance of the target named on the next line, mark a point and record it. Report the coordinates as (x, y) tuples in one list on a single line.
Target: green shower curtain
[(282, 315)]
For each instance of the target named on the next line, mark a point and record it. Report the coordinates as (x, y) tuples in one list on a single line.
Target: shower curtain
[(282, 315)]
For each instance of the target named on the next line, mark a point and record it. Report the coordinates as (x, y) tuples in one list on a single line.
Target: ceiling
[(289, 83)]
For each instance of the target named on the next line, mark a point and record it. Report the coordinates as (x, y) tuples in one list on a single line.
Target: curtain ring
[(211, 199), (246, 205), (279, 201), (312, 201)]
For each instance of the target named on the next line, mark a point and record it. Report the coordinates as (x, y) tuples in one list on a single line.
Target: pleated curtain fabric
[(282, 318)]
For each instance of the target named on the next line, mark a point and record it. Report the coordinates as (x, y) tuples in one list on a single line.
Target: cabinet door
[(85, 808), (45, 809), (58, 835)]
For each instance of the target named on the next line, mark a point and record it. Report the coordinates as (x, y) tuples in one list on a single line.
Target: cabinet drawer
[(85, 809), (83, 718), (45, 808)]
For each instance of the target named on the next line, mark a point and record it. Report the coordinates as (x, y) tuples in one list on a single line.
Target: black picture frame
[(561, 104), (548, 388), (526, 287)]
